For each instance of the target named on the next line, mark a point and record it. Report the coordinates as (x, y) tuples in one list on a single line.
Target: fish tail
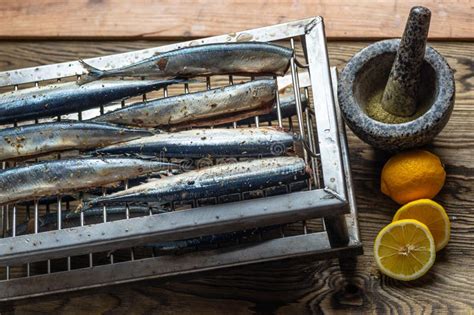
[(92, 73)]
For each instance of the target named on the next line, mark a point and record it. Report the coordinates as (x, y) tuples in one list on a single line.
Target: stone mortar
[(367, 73)]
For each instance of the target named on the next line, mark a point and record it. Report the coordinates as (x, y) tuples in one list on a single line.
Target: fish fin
[(93, 73)]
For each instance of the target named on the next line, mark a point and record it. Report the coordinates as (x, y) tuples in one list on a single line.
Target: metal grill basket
[(318, 218)]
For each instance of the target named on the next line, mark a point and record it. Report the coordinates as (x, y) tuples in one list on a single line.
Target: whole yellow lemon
[(412, 175)]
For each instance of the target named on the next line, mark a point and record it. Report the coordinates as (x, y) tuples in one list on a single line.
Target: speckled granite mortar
[(400, 94), (367, 72)]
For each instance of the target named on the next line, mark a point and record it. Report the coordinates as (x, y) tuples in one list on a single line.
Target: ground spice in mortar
[(374, 110)]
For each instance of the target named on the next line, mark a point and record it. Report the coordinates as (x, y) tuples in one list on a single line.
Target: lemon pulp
[(432, 215), (404, 250)]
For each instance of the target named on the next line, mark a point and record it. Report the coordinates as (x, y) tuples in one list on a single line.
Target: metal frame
[(169, 226), (331, 202)]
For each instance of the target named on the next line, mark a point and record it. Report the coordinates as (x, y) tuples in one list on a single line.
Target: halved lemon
[(404, 250), (431, 214)]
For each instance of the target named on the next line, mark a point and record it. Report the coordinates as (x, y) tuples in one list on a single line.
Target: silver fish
[(247, 58), (217, 142), (213, 181), (63, 176), (40, 139), (64, 98), (205, 108)]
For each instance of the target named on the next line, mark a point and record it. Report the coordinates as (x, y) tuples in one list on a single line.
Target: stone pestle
[(401, 92)]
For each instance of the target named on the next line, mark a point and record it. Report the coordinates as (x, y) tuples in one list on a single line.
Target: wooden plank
[(297, 288), (451, 19)]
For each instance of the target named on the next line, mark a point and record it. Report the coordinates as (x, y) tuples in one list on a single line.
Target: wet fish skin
[(97, 191), (287, 109), (206, 108), (49, 221), (203, 143), (213, 181), (245, 58), (64, 176), (40, 139), (65, 98)]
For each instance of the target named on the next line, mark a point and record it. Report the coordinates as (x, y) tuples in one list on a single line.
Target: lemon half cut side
[(431, 214), (404, 250)]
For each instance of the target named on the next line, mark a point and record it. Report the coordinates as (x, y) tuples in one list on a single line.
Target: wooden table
[(294, 287), (298, 288)]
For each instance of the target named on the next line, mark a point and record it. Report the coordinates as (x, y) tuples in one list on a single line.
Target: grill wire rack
[(314, 218)]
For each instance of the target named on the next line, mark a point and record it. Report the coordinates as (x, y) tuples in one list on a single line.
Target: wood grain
[(175, 19), (295, 287)]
